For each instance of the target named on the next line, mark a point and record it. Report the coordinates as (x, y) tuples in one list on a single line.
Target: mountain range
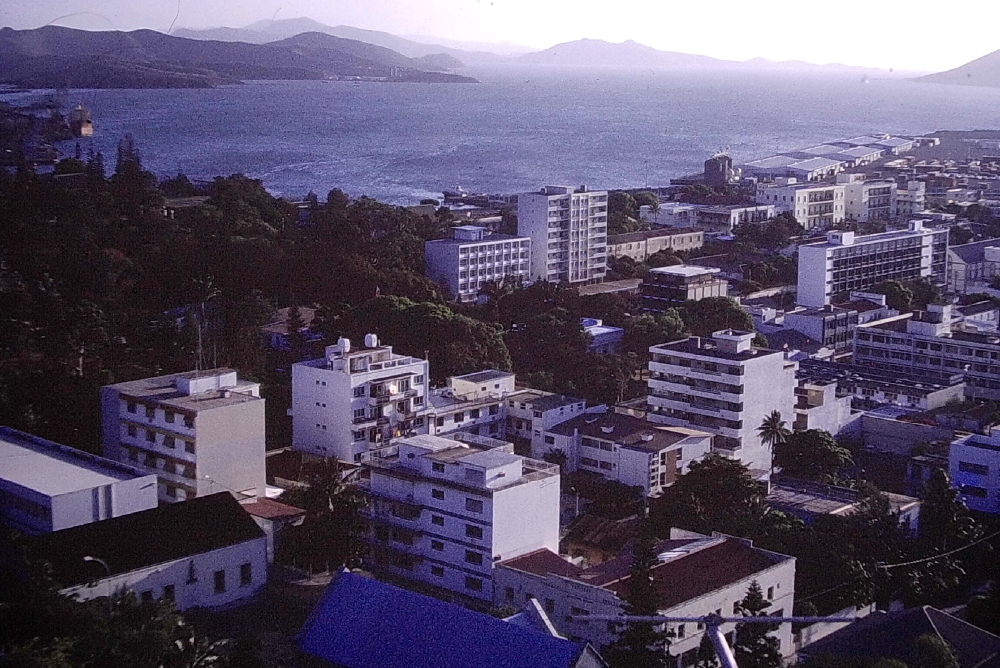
[(54, 56), (983, 71)]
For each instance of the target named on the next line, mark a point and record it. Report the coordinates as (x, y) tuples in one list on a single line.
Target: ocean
[(519, 129)]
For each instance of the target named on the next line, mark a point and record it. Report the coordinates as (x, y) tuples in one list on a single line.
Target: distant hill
[(54, 56), (263, 32), (983, 71)]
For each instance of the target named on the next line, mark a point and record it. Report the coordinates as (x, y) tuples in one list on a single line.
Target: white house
[(974, 466)]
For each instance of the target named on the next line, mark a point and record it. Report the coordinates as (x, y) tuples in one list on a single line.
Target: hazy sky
[(879, 33)]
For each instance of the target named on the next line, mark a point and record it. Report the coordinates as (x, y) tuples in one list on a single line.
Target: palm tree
[(772, 431)]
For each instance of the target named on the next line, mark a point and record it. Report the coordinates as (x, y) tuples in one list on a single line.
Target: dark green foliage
[(713, 314), (772, 235), (811, 455), (753, 647), (647, 330)]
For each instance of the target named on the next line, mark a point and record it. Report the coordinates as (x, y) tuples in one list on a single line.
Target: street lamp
[(107, 569)]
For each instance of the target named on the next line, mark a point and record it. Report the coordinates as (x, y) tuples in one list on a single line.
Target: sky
[(872, 33)]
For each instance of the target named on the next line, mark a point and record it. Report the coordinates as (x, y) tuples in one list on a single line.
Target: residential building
[(814, 205), (442, 511), (474, 257), (354, 399), (985, 315), (971, 267), (974, 467), (45, 486), (694, 576), (725, 386), (568, 228), (640, 245), (821, 404), (929, 343), (200, 432), (533, 412), (203, 553), (809, 500), (869, 388), (671, 214), (868, 200), (912, 199), (725, 219), (472, 403), (845, 262), (667, 287), (604, 339), (831, 326), (364, 623), (627, 449)]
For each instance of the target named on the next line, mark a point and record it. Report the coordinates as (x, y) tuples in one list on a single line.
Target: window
[(440, 422), (189, 420), (438, 520), (359, 391), (131, 430), (770, 593), (189, 446), (170, 442), (472, 531), (681, 631), (359, 413), (171, 491), (969, 467), (419, 380), (246, 574), (474, 505), (550, 605), (130, 407), (359, 435), (437, 494), (437, 571), (494, 410), (475, 584), (151, 436), (459, 416), (473, 558), (972, 490), (438, 467), (509, 593), (169, 416), (437, 545), (550, 440), (146, 595), (150, 413), (168, 593), (220, 582), (474, 414)]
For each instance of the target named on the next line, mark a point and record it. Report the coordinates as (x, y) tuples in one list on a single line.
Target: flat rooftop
[(53, 469), (163, 390), (487, 239), (707, 347), (630, 431), (485, 376), (685, 270), (873, 238)]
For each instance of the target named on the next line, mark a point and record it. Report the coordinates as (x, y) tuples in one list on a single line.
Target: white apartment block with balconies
[(814, 205), (442, 512), (568, 228), (869, 200), (200, 432), (725, 386), (474, 257), (355, 399), (911, 199)]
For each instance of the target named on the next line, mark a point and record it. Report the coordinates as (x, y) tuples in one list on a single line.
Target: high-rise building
[(568, 228), (845, 262), (474, 257), (357, 398), (200, 432), (868, 200), (725, 386), (443, 511)]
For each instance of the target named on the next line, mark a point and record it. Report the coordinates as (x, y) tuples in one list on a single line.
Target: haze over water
[(517, 130)]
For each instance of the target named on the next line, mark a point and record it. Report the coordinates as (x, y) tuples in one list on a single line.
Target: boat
[(80, 123)]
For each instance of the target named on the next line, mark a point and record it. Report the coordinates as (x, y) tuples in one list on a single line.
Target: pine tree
[(945, 522), (754, 648)]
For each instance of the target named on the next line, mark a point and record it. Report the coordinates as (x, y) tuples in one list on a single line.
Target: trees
[(812, 455), (647, 330), (556, 456), (754, 647), (641, 644), (897, 295), (772, 431), (712, 314), (945, 522)]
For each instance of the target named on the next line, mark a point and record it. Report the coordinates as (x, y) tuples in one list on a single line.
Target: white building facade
[(442, 512), (869, 200), (45, 486), (974, 466), (568, 228), (814, 205), (199, 432), (356, 399), (474, 257), (723, 386)]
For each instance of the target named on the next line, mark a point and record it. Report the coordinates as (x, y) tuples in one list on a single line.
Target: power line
[(939, 556)]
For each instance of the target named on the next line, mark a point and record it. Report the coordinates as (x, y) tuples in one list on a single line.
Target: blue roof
[(364, 623)]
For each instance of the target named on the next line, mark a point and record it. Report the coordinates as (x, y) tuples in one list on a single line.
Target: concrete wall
[(526, 518), (230, 449), (887, 435)]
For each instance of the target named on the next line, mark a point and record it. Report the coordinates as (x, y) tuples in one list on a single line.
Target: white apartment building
[(974, 466), (199, 432), (845, 262), (203, 553), (696, 576), (473, 403), (531, 413), (724, 386), (355, 399), (474, 257), (911, 199), (868, 200), (671, 214), (45, 486), (628, 449), (814, 205), (568, 228), (442, 512)]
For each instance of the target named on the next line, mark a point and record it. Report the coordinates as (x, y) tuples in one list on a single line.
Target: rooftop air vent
[(607, 430)]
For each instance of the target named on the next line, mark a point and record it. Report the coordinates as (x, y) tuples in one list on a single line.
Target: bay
[(520, 128)]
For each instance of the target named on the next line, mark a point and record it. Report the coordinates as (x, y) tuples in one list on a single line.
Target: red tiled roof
[(543, 562), (270, 509)]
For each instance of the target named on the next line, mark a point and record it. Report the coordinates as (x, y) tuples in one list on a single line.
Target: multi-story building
[(845, 262), (929, 343), (474, 257), (45, 486), (694, 576), (568, 228), (974, 466), (604, 339), (640, 245), (200, 432), (473, 403), (725, 219), (868, 200), (971, 267), (533, 412), (671, 214), (628, 449), (814, 205), (203, 553), (725, 386), (667, 287), (912, 199), (442, 512), (830, 326), (354, 399)]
